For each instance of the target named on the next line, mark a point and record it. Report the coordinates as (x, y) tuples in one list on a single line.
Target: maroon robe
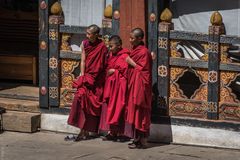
[(138, 114), (86, 106), (112, 117)]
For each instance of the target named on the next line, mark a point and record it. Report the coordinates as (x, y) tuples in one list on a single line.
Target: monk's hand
[(154, 56), (110, 72), (130, 61)]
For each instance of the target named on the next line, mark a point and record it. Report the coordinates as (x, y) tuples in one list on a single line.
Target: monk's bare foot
[(109, 137), (80, 136), (137, 145)]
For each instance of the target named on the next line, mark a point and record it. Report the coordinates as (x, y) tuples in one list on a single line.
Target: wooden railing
[(202, 87)]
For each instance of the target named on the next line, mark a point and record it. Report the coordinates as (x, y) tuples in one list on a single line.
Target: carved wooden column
[(163, 58), (43, 53), (54, 64), (116, 17), (153, 21), (213, 65)]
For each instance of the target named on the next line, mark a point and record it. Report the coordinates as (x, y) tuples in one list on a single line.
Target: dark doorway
[(19, 41), (18, 48)]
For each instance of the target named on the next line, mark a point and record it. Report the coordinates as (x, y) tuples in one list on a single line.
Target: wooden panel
[(43, 54), (187, 108), (18, 67), (132, 14), (15, 59), (138, 14), (70, 70), (126, 21)]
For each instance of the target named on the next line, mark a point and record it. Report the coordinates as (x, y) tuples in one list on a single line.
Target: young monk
[(86, 106), (112, 117), (139, 91)]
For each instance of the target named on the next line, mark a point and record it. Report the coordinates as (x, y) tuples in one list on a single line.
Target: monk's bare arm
[(83, 58), (130, 62), (110, 71)]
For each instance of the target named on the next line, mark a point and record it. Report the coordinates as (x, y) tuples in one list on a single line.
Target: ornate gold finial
[(216, 18), (108, 11), (166, 15), (56, 9), (66, 42)]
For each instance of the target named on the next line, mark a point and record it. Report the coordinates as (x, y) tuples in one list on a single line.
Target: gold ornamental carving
[(229, 112), (53, 92), (53, 63), (162, 71), (56, 9), (187, 108), (201, 93), (176, 72), (43, 45), (203, 75), (212, 107), (212, 76), (173, 48), (116, 14), (213, 47), (175, 91), (66, 42), (68, 66), (227, 77), (53, 35), (166, 15), (152, 17), (67, 96), (162, 43), (216, 18), (227, 96)]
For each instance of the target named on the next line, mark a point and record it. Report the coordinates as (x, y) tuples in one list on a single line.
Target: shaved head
[(138, 33), (94, 29), (116, 39)]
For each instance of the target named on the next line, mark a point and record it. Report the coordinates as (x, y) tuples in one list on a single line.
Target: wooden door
[(132, 15)]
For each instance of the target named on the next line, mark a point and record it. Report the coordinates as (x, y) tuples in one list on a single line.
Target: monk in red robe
[(112, 117), (86, 107), (138, 115)]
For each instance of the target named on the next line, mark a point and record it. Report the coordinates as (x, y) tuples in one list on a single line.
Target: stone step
[(21, 121), (19, 105)]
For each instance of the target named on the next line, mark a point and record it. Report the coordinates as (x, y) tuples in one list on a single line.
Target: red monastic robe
[(112, 117), (138, 115), (86, 106)]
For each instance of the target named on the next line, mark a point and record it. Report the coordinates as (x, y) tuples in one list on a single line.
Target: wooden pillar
[(43, 53), (132, 15), (54, 60), (213, 65), (163, 58), (116, 17), (153, 21)]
